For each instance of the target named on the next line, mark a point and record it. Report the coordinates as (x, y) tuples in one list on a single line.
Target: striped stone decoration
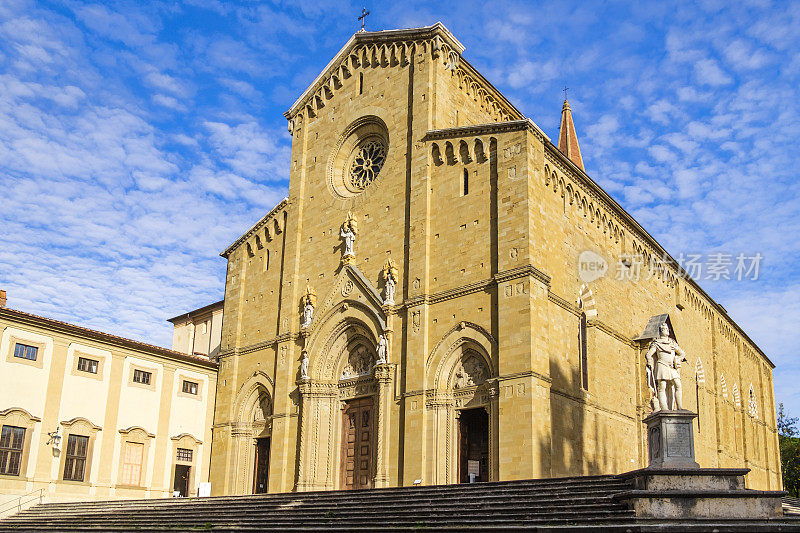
[(736, 398), (723, 385), (752, 405), (700, 373), (586, 301)]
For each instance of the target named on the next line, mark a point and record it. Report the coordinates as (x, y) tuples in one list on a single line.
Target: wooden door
[(262, 466), (357, 444), (473, 445)]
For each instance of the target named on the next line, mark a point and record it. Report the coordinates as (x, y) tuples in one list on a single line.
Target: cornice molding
[(255, 227)]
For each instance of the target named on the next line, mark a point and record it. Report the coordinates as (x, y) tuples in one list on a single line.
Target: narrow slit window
[(466, 182), (584, 354), (360, 83)]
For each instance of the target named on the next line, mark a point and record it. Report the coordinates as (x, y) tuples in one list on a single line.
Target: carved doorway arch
[(465, 383), (346, 387), (252, 426)]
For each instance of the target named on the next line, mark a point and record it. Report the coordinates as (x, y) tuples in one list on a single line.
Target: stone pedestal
[(670, 439), (674, 487)]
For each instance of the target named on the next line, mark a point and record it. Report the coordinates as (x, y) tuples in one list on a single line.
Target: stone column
[(304, 428), (383, 377), (493, 409)]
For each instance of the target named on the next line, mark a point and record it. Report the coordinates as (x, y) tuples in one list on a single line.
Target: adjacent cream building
[(198, 332), (88, 415), (461, 338)]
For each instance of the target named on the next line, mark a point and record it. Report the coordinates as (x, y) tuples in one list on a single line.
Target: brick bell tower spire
[(567, 138)]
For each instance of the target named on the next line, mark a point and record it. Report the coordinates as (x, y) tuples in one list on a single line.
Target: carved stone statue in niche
[(261, 410), (664, 358), (471, 371), (359, 362), (389, 275), (304, 366), (348, 232), (308, 301), (382, 343)]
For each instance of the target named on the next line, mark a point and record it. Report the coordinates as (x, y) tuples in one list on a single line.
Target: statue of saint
[(382, 344), (390, 282), (304, 366), (664, 358), (348, 232), (308, 301)]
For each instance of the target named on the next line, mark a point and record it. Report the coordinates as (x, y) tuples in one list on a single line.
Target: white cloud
[(709, 72)]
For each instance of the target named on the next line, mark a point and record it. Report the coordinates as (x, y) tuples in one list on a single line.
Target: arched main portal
[(343, 416)]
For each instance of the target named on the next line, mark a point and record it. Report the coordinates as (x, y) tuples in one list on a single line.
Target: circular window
[(367, 161), (358, 157)]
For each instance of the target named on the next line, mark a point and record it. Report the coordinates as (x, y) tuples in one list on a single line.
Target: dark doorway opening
[(357, 444), (262, 466), (182, 474), (473, 445)]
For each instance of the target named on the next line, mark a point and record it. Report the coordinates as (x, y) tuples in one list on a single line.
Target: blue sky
[(138, 140)]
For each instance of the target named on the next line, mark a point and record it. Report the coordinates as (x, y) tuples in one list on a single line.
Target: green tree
[(790, 451)]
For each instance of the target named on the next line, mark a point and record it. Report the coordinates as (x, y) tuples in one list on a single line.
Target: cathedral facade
[(434, 303)]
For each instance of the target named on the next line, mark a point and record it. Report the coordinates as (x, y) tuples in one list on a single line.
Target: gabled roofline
[(628, 218), (247, 234), (58, 326), (365, 37), (527, 124), (199, 311)]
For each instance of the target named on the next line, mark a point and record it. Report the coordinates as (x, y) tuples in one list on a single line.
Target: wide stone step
[(377, 495), (171, 505), (447, 510)]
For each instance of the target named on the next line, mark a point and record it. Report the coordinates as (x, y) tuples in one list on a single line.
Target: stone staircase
[(578, 503)]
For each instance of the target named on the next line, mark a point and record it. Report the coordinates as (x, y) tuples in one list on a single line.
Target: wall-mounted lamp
[(55, 438)]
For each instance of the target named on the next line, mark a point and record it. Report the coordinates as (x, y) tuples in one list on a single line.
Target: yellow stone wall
[(494, 271)]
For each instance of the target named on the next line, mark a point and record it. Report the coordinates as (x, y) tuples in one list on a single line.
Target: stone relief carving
[(359, 362), (389, 275), (348, 233), (382, 344), (308, 301), (664, 358), (304, 366), (471, 371)]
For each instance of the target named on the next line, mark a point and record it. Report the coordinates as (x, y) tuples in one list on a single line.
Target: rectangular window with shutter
[(140, 376), (189, 387), (87, 365), (23, 351), (132, 463), (75, 460), (11, 443)]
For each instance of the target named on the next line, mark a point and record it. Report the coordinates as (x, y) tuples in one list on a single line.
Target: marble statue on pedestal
[(304, 366), (664, 358), (382, 344), (308, 301), (390, 281), (348, 232)]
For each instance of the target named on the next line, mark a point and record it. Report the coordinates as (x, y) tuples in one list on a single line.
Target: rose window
[(368, 161)]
